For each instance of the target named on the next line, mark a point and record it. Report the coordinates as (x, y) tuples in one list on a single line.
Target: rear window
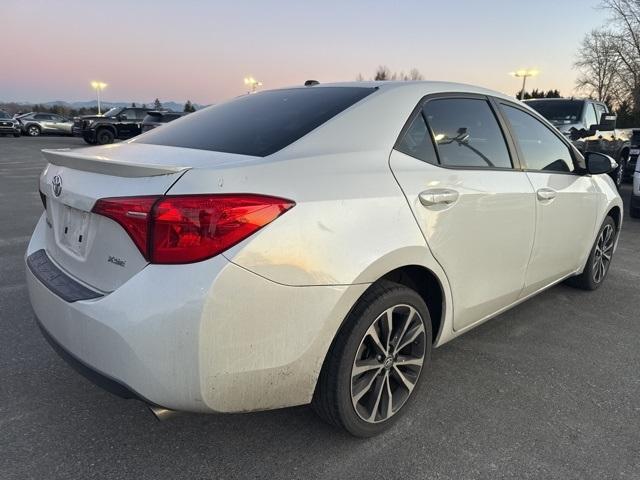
[(259, 124)]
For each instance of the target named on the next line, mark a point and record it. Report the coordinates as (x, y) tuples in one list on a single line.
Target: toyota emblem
[(56, 185)]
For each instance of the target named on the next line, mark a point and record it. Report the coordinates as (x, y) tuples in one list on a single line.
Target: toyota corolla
[(310, 244)]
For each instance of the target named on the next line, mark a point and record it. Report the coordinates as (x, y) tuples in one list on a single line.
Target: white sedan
[(310, 245)]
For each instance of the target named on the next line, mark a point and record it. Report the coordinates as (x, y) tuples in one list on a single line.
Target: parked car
[(634, 152), (310, 244), (8, 125), (117, 123), (37, 123), (634, 209), (590, 126), (156, 118)]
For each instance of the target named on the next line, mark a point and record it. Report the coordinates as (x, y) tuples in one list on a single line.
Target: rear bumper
[(98, 378), (205, 337)]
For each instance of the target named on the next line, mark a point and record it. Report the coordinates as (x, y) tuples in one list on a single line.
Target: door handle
[(546, 194), (438, 196)]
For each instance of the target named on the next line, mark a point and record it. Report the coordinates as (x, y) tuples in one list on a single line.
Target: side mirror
[(599, 163), (607, 122)]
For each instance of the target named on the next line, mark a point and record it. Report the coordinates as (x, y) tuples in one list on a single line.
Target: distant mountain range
[(175, 106)]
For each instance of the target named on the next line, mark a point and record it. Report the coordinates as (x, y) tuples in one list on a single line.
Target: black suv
[(121, 123)]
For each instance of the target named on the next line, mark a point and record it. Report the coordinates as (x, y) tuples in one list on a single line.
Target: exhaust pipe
[(162, 413)]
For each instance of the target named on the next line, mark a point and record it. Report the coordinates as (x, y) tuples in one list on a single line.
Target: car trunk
[(92, 248)]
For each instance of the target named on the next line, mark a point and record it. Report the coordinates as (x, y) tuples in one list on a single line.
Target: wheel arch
[(615, 212), (107, 127)]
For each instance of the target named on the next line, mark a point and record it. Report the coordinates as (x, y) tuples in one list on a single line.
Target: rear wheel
[(597, 267), (373, 369), (104, 136), (33, 130)]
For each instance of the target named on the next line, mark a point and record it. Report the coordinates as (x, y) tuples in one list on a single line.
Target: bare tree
[(415, 74), (382, 73), (598, 62), (625, 27)]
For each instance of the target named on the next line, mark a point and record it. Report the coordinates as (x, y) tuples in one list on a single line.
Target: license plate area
[(73, 229)]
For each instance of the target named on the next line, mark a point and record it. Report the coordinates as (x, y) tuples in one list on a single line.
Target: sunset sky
[(201, 50)]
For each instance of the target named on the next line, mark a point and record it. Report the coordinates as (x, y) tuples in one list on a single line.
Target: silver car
[(34, 124)]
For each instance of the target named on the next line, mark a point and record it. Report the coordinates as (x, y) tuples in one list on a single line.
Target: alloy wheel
[(603, 253), (388, 363), (33, 131)]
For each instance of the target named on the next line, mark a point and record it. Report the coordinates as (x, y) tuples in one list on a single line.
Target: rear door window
[(258, 124), (466, 133)]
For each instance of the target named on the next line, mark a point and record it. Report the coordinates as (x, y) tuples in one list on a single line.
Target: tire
[(358, 403), (104, 136), (16, 134), (89, 139), (33, 130), (590, 278), (634, 212)]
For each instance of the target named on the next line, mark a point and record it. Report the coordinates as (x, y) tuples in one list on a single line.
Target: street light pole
[(98, 87), (524, 74)]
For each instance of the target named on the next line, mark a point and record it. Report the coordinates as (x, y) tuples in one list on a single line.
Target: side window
[(541, 148), (140, 114), (417, 142), (599, 111), (42, 116), (466, 133), (129, 114), (590, 118)]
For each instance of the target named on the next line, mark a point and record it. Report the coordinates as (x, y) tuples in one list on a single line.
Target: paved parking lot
[(550, 389)]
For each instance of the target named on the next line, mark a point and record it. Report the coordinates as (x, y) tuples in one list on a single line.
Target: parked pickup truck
[(590, 126), (120, 123)]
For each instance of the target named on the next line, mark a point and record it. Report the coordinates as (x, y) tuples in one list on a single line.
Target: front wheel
[(33, 130), (597, 267), (104, 136), (374, 367), (16, 134)]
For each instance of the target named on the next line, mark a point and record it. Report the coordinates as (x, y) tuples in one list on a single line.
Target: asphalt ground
[(550, 389)]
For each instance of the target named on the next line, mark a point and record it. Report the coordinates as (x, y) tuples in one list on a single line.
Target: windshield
[(558, 111), (112, 112), (4, 114)]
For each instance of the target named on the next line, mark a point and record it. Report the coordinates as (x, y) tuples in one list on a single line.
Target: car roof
[(425, 86)]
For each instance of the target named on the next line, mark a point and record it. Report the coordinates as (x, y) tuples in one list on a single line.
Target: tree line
[(384, 73), (608, 61), (14, 108), (535, 93)]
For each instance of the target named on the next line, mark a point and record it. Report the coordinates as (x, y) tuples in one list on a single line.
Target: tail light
[(190, 228)]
